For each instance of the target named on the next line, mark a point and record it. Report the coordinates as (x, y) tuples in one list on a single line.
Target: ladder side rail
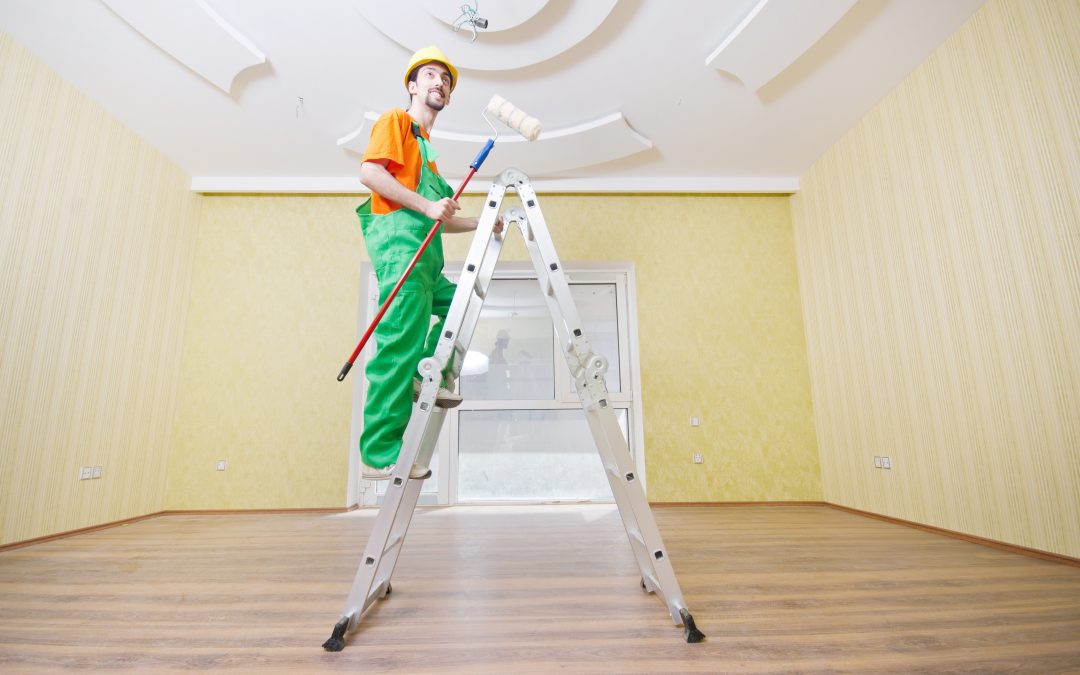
[(421, 434), (472, 286), (412, 452), (570, 348), (396, 507), (638, 519), (387, 537), (376, 570), (462, 333), (593, 396), (419, 439), (621, 491), (633, 505), (588, 373), (556, 285), (562, 330)]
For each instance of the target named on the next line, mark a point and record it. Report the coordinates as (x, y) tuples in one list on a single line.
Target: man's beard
[(433, 103)]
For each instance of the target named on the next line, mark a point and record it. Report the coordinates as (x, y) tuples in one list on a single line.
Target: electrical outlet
[(221, 465), (698, 458), (886, 463), (877, 462), (695, 421), (97, 472), (86, 473)]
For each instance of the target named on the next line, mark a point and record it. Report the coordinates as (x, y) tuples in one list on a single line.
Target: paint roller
[(513, 117)]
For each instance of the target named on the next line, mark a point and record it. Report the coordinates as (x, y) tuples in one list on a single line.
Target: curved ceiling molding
[(536, 38), (193, 34), (500, 15), (773, 35), (601, 140)]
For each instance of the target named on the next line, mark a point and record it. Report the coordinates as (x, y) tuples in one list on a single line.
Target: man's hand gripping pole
[(513, 117)]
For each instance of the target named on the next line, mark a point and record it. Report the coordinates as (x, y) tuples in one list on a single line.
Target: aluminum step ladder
[(372, 580)]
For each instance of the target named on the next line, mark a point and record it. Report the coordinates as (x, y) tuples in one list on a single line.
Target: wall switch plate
[(698, 458), (221, 465), (877, 462), (695, 421), (886, 463), (86, 473), (97, 472)]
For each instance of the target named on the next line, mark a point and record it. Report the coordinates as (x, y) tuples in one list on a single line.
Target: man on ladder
[(407, 196)]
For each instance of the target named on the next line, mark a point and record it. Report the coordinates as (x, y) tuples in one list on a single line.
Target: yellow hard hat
[(428, 55)]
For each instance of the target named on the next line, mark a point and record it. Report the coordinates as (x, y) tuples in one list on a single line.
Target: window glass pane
[(511, 355), (600, 322), (529, 455)]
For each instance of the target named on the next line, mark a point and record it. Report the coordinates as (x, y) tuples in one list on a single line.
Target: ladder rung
[(478, 290), (372, 595), (393, 543)]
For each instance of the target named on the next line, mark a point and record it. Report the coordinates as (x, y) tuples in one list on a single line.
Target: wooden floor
[(537, 589)]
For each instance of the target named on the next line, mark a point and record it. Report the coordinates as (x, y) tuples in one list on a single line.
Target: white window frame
[(365, 493)]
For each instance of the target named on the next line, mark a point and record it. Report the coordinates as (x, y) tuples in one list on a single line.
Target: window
[(520, 435)]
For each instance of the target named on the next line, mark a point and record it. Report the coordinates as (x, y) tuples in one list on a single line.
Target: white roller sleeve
[(514, 117)]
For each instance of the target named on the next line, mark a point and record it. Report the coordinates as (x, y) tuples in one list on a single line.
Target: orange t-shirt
[(392, 140)]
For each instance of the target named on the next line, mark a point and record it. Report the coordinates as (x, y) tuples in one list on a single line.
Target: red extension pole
[(397, 287)]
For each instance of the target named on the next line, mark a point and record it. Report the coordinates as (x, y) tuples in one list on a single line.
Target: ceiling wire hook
[(470, 16)]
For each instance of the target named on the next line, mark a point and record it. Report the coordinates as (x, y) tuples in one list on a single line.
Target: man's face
[(432, 85)]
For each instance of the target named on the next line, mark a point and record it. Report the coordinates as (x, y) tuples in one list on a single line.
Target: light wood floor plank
[(537, 589)]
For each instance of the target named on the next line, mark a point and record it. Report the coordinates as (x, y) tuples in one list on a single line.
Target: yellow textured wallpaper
[(273, 317), (97, 236), (939, 255)]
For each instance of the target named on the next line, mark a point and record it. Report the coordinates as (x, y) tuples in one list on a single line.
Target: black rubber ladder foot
[(337, 639), (689, 627)]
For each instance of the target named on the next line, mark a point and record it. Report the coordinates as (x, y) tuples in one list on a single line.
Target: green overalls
[(402, 337)]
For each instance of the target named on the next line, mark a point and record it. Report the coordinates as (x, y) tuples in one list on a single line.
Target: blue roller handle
[(482, 155)]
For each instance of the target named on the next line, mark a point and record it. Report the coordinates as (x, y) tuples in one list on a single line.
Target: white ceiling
[(634, 95)]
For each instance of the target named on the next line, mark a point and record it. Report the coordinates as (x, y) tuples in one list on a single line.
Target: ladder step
[(373, 594), (478, 290), (393, 543), (652, 581)]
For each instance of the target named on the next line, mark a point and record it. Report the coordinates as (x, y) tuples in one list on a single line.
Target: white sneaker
[(444, 399), (371, 473)]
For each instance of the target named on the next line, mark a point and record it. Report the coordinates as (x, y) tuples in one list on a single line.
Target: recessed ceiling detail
[(594, 142), (537, 35), (697, 130), (193, 34), (773, 36)]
